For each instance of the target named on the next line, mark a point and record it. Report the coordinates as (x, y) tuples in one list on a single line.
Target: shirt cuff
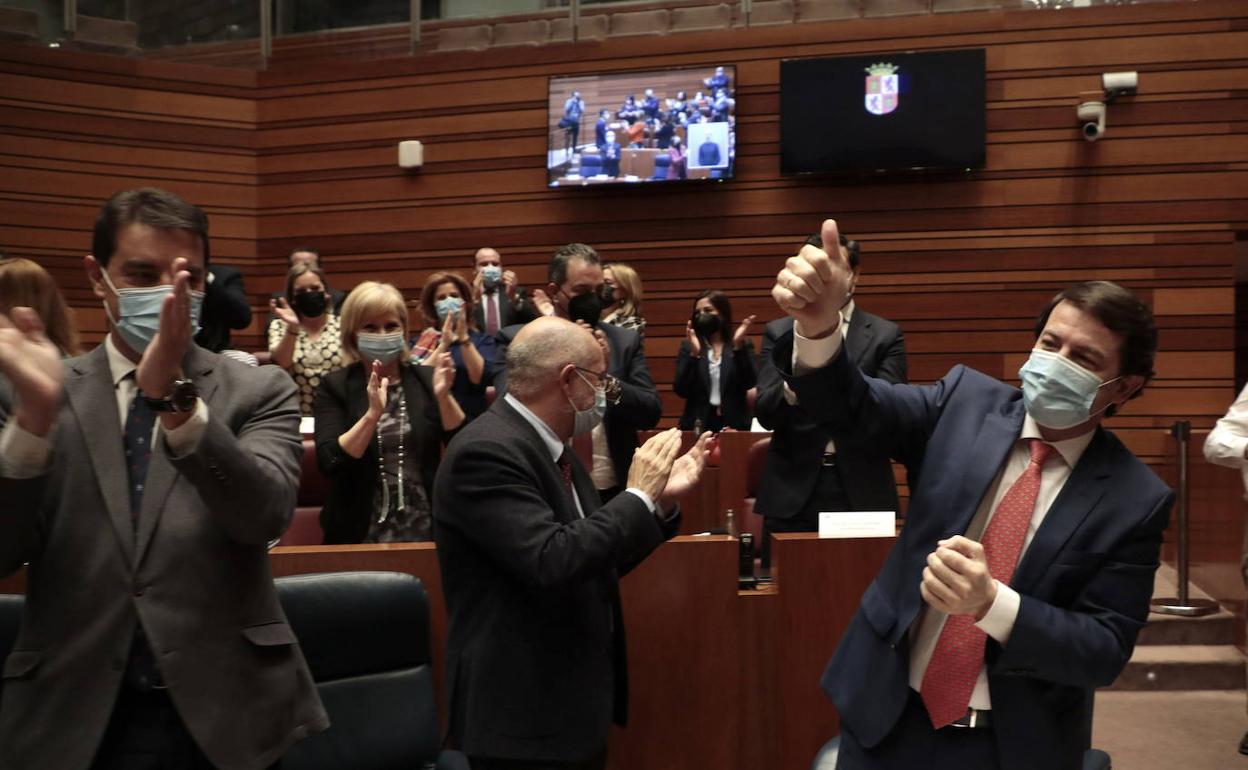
[(790, 397), (998, 622), (23, 455), (184, 439), (645, 499), (809, 354)]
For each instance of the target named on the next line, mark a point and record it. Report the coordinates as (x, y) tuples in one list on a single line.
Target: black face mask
[(608, 295), (310, 304), (705, 324), (585, 307)]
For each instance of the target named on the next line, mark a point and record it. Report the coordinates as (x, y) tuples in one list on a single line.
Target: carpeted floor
[(1198, 730)]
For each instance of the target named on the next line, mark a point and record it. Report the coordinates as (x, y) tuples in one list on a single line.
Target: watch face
[(184, 395)]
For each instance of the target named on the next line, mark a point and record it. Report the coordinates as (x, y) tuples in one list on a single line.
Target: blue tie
[(138, 442), (142, 672)]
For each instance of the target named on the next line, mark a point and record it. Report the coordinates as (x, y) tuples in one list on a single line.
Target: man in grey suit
[(141, 482), (852, 475)]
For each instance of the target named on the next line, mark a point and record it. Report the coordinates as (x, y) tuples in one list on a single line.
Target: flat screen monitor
[(642, 127), (887, 112)]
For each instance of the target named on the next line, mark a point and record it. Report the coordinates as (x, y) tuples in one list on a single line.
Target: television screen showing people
[(661, 126)]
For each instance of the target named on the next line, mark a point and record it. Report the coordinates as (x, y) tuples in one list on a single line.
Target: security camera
[(1092, 115), (1116, 84)]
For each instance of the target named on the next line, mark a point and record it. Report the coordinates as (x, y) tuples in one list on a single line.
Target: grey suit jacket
[(195, 573)]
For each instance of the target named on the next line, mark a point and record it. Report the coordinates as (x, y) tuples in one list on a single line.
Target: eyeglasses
[(610, 384)]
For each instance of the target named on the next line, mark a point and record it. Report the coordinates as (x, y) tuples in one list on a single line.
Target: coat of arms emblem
[(882, 88)]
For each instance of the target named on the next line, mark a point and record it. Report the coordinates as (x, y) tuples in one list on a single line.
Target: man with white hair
[(531, 559)]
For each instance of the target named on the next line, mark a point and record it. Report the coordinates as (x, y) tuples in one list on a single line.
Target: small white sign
[(846, 524), (307, 425)]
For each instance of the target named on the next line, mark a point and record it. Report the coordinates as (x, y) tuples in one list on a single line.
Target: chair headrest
[(357, 623)]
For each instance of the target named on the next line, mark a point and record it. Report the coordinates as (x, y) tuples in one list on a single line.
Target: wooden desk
[(719, 678)]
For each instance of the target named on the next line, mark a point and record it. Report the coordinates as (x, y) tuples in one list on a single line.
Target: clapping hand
[(738, 337), (378, 387), (542, 302), (30, 361), (695, 342), (652, 463), (443, 374), (161, 363), (686, 472), (814, 285), (510, 283), (284, 312)]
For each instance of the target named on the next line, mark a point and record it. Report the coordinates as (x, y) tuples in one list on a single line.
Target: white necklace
[(384, 513)]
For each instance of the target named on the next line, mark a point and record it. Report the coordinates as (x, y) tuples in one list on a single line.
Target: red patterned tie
[(491, 313), (959, 654)]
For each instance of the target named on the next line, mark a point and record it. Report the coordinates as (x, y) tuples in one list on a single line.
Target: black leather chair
[(10, 620), (366, 639)]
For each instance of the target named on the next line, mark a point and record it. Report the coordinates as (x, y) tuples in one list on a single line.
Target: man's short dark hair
[(1122, 313), (558, 272), (149, 206), (850, 246), (308, 249)]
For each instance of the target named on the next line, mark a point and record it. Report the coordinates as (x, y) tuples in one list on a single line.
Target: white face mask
[(1057, 392), (588, 419)]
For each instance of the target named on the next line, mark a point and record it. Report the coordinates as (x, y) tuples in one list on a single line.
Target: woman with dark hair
[(715, 367), (446, 302), (303, 335)]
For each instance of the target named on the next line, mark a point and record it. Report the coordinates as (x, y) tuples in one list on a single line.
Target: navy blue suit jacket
[(1085, 580)]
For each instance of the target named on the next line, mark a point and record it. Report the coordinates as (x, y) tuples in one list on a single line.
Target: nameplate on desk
[(845, 524)]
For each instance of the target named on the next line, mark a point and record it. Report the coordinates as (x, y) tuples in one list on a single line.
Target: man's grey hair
[(535, 358)]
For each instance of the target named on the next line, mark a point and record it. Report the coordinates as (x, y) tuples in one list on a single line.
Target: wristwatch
[(182, 397)]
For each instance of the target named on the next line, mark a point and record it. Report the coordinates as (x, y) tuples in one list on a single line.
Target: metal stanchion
[(1182, 605)]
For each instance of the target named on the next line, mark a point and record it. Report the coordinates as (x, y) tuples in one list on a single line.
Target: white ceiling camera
[(1116, 84), (1092, 116), (1091, 113)]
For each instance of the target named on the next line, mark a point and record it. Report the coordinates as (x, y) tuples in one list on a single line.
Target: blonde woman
[(380, 425), (621, 296), (24, 283)]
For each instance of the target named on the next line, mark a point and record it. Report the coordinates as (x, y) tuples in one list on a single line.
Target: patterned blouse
[(312, 359), (634, 322)]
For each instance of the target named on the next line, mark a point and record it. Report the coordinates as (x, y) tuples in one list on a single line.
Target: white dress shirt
[(25, 455), (1228, 440), (557, 447), (713, 364), (998, 622), (847, 314)]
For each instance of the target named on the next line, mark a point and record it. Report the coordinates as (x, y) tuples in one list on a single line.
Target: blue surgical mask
[(140, 312), (382, 348), (588, 419), (491, 276), (448, 306), (1057, 392)]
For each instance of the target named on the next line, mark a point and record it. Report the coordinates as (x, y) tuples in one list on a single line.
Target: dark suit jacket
[(536, 666), (639, 407), (225, 308), (196, 574), (340, 401), (521, 311), (693, 383), (797, 442), (1085, 580)]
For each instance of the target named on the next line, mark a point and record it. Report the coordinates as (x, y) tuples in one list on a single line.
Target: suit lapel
[(584, 488), (581, 481), (93, 400), (995, 439), (1087, 483), (861, 332), (161, 475)]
